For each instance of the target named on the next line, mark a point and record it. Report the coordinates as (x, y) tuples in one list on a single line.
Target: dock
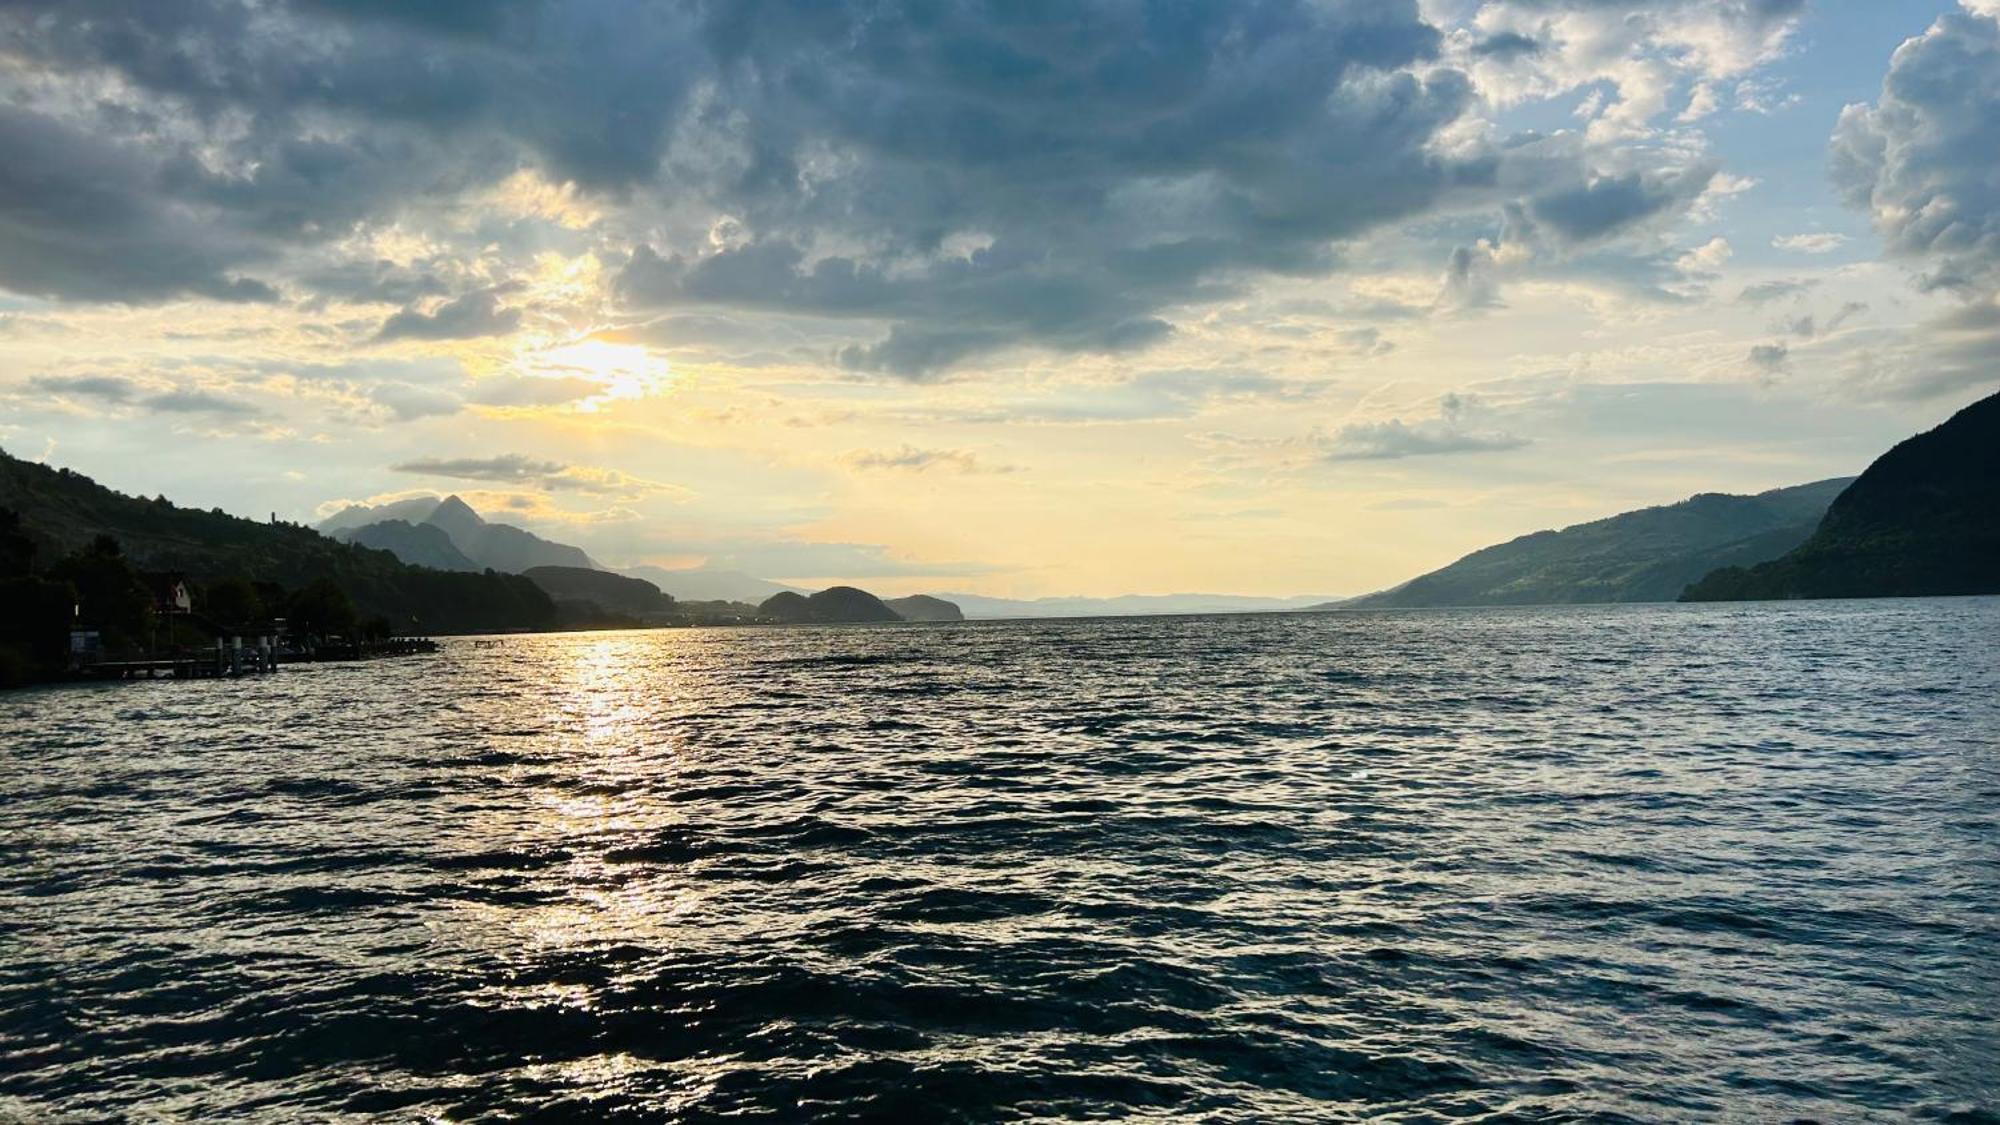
[(229, 662)]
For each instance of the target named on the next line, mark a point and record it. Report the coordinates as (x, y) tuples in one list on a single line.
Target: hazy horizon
[(1267, 299)]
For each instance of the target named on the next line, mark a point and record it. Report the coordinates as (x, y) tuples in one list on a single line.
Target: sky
[(1105, 296)]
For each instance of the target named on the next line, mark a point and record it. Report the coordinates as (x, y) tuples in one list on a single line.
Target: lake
[(1606, 863)]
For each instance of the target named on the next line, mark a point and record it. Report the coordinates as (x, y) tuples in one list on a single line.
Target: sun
[(623, 371)]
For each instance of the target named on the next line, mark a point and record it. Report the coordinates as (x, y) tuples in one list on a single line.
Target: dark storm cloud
[(376, 282), (82, 217), (1113, 158), (1112, 162), (953, 178)]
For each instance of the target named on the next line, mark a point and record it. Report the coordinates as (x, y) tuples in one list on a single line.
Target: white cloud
[(1822, 242), (1706, 258)]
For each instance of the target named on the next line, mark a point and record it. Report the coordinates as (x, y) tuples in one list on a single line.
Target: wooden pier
[(229, 662)]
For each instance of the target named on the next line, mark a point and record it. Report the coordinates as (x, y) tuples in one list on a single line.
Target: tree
[(320, 609), (233, 601), (34, 632), (17, 551), (109, 593)]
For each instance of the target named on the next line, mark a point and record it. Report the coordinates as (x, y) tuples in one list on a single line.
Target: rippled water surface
[(1649, 863)]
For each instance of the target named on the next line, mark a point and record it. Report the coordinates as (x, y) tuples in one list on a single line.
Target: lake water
[(1647, 863)]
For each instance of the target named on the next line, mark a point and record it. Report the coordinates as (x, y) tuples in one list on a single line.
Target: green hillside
[(61, 512), (1648, 555), (1924, 520)]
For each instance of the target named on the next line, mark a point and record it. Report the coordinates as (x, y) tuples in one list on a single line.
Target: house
[(171, 592)]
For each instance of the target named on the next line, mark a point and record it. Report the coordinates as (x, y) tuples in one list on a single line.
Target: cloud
[(193, 401), (1706, 259), (547, 475), (957, 180), (1810, 327), (407, 402), (1470, 280), (508, 390), (1764, 292), (1452, 431), (1823, 242), (475, 314), (116, 390), (108, 388), (1634, 56), (912, 459), (1608, 205), (1770, 358), (1507, 46), (1920, 160), (1152, 396), (375, 282), (84, 217)]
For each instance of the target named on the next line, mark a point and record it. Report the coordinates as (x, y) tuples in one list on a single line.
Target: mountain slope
[(499, 545), (414, 510), (923, 607), (612, 592), (483, 545), (1645, 556), (61, 511), (1924, 520), (418, 544), (833, 605), (703, 585)]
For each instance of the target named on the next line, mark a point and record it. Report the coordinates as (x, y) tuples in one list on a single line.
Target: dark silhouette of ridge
[(1923, 520)]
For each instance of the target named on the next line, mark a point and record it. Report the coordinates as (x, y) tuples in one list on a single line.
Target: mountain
[(572, 586), (1922, 521), (482, 545), (703, 585), (923, 607), (833, 605), (1645, 556), (456, 518), (419, 544), (502, 546), (62, 511), (414, 510), (1127, 605)]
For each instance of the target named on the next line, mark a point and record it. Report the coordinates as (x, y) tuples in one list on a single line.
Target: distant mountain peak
[(453, 508), (415, 509)]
